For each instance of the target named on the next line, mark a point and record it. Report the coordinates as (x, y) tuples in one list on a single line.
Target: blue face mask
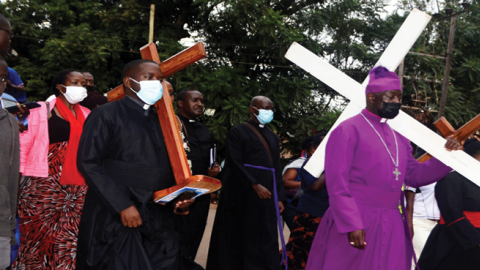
[(150, 91), (264, 116)]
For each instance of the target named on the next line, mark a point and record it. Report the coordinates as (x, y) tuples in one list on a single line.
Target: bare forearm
[(289, 183), (410, 198), (20, 88), (319, 184), (289, 179)]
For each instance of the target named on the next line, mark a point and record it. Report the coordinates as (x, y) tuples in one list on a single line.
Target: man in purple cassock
[(366, 164)]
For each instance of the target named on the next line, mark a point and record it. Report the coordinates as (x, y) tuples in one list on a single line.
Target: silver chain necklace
[(396, 172)]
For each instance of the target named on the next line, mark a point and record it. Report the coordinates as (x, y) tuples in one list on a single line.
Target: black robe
[(192, 226), (455, 246), (245, 233), (123, 158)]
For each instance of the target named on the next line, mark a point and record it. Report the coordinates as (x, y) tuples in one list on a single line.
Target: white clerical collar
[(374, 116), (261, 126), (191, 121), (142, 104)]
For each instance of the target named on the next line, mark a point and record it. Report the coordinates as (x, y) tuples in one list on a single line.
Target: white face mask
[(150, 91), (75, 94)]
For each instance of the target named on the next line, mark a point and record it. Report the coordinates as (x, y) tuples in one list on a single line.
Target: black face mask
[(89, 88), (389, 110)]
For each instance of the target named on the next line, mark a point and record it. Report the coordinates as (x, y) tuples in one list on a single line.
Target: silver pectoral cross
[(397, 173)]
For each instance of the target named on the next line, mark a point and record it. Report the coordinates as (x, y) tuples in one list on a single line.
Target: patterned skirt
[(49, 217), (301, 238)]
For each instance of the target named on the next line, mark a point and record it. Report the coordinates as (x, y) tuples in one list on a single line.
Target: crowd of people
[(78, 173)]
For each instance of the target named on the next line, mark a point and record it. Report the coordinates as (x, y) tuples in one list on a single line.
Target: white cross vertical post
[(355, 92)]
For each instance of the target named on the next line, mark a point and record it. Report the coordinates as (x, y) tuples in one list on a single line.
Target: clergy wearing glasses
[(366, 165)]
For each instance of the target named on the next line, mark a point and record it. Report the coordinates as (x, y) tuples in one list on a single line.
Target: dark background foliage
[(246, 41)]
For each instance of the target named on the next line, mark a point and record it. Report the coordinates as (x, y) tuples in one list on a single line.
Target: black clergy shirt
[(123, 157), (200, 141)]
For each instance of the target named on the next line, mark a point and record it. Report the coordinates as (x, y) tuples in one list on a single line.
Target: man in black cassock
[(455, 242), (245, 233), (123, 157), (198, 143)]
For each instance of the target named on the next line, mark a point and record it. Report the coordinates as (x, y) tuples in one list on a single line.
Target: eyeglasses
[(10, 33), (266, 108)]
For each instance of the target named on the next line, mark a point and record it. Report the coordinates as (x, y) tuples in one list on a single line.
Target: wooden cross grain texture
[(168, 67), (355, 92), (167, 118), (444, 127)]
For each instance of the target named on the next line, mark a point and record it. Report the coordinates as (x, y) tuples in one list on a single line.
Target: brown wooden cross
[(460, 135), (166, 116)]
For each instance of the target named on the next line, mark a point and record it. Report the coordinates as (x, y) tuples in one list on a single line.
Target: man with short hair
[(89, 81), (15, 86), (123, 157), (366, 164), (5, 35), (199, 142), (245, 232), (9, 156), (9, 171), (5, 39), (170, 90), (94, 99)]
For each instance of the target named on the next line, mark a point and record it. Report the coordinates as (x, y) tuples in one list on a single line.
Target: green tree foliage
[(463, 102), (246, 42), (98, 36)]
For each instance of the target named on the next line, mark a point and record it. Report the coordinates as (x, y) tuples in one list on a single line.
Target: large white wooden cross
[(355, 92)]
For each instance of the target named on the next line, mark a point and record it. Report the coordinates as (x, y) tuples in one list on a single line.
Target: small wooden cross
[(460, 135), (166, 116)]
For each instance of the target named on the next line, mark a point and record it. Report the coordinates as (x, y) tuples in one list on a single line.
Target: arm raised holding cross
[(129, 150), (361, 197), (168, 123), (366, 165)]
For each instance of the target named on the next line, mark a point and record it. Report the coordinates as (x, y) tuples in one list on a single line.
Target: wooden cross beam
[(167, 118), (168, 67), (460, 135)]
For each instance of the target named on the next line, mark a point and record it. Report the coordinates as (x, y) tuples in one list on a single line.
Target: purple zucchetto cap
[(381, 79)]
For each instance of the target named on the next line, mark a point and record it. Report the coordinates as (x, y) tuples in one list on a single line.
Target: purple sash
[(279, 221)]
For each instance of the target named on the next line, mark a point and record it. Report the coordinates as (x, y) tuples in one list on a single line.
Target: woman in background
[(311, 207), (52, 192), (292, 180)]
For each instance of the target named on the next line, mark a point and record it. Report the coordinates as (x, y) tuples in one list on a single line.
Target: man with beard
[(199, 142)]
